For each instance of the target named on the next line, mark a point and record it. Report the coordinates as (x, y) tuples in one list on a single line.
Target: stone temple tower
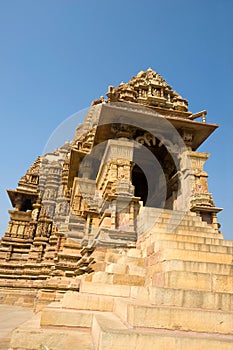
[(119, 228)]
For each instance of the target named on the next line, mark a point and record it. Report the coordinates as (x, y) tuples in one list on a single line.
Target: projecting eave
[(201, 131), (149, 120), (14, 195)]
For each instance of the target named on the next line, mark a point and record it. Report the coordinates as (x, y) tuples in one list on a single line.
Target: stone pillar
[(114, 186), (41, 239), (194, 193), (215, 223)]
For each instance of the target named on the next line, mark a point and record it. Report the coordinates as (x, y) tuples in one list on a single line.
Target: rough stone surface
[(10, 318)]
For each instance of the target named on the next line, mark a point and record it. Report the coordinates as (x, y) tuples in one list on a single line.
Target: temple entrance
[(158, 187), (140, 183)]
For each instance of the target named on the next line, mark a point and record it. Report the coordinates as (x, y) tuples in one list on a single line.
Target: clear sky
[(56, 56)]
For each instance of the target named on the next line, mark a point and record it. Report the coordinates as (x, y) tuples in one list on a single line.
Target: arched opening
[(158, 188)]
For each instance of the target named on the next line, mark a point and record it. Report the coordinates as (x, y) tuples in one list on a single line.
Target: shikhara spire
[(149, 89)]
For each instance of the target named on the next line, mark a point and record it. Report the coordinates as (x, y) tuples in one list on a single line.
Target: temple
[(117, 235)]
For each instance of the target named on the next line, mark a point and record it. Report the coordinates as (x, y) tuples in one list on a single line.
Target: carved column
[(114, 185), (194, 187), (41, 239)]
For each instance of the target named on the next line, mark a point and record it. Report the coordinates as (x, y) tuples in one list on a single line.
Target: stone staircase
[(173, 291)]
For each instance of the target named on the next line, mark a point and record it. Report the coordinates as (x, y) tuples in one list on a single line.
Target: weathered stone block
[(182, 280), (112, 334), (82, 301), (66, 317), (105, 289), (130, 280), (174, 318)]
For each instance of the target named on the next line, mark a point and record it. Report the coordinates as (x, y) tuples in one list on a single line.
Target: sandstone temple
[(114, 239)]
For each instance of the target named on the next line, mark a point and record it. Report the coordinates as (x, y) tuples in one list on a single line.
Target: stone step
[(103, 326), (110, 333), (181, 230), (173, 222), (46, 297), (191, 266), (186, 220), (183, 298), (193, 280), (84, 301), (202, 247), (58, 316), (169, 279), (31, 336), (129, 269), (166, 212), (174, 318), (153, 295), (184, 227), (124, 258), (105, 289), (166, 216), (154, 237), (118, 279), (205, 229), (191, 255), (170, 215), (197, 232)]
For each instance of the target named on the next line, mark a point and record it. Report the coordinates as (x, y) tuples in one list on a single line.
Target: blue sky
[(56, 56)]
